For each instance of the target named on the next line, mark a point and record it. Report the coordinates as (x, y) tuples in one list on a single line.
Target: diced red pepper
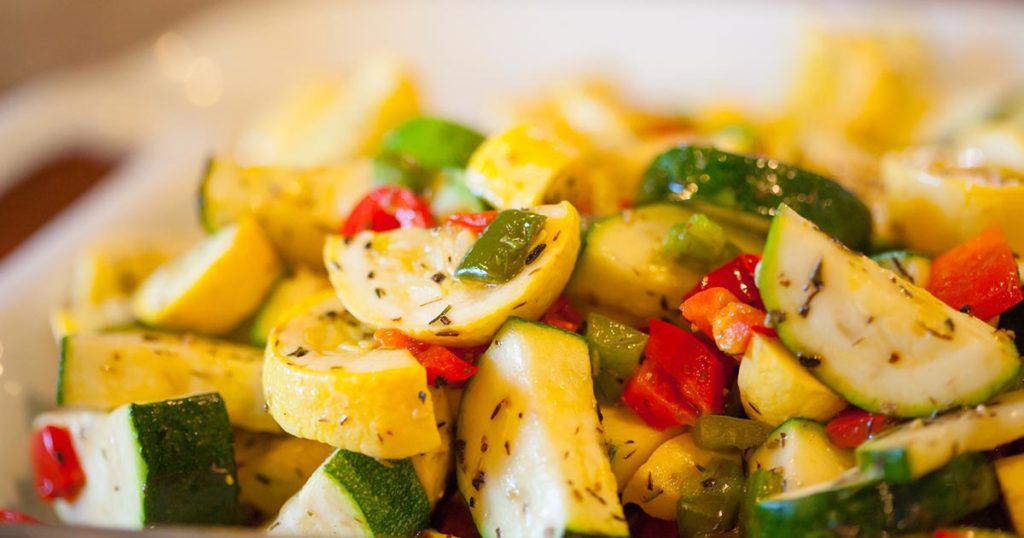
[(853, 427), (733, 326), (700, 371), (701, 307), (10, 516), (642, 525), (561, 314), (58, 473), (386, 208), (442, 365), (736, 276), (453, 517), (469, 354), (477, 222), (654, 395), (979, 276), (950, 533)]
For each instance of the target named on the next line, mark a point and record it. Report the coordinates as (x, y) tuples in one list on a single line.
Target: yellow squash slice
[(404, 279), (323, 381), (214, 286)]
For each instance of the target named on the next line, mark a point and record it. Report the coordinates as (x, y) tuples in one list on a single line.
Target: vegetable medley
[(596, 321)]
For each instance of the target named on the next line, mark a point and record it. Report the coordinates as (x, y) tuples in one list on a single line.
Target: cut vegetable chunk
[(105, 370), (657, 484), (630, 441), (529, 455), (884, 344), (774, 386), (1010, 472), (114, 269), (913, 449), (619, 349), (168, 462), (801, 451), (868, 507), (297, 207), (756, 186), (622, 266), (321, 383), (286, 294), (979, 276), (355, 495), (214, 286), (272, 468), (404, 279)]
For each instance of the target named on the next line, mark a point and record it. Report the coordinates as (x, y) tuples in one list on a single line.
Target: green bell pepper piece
[(504, 248), (700, 241), (710, 500), (412, 152), (618, 349)]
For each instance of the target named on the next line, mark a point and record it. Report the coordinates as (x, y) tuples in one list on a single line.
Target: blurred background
[(83, 84)]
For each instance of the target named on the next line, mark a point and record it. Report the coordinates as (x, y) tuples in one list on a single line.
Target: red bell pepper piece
[(702, 306), (736, 276), (453, 517), (386, 208), (476, 222), (10, 516), (58, 473), (979, 276), (654, 395), (642, 525), (850, 428), (951, 533), (443, 366), (700, 371), (561, 314), (734, 325)]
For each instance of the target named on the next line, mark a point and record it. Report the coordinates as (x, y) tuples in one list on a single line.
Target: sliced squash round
[(323, 381), (214, 286), (404, 279)]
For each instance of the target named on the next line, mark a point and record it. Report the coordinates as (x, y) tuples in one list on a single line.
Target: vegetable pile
[(402, 326)]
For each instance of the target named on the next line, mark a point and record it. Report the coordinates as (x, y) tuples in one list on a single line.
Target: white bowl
[(672, 54)]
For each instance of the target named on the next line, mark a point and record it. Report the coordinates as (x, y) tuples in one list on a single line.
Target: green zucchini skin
[(186, 446), (756, 186), (394, 481), (863, 506)]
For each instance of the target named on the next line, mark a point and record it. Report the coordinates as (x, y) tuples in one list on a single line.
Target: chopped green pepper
[(699, 241), (710, 500), (416, 149), (505, 247), (618, 349), (719, 432)]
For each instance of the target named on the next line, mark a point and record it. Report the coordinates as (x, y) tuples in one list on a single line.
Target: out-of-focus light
[(173, 57), (205, 83)]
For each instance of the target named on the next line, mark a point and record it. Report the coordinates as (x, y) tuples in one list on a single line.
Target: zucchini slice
[(214, 286), (404, 279), (774, 387), (630, 441), (105, 370), (297, 207), (921, 446), (354, 495), (113, 270), (881, 342), (529, 455), (865, 506), (167, 462), (623, 269), (915, 268), (801, 451), (656, 486), (756, 186), (288, 292), (272, 468), (110, 315), (323, 382)]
